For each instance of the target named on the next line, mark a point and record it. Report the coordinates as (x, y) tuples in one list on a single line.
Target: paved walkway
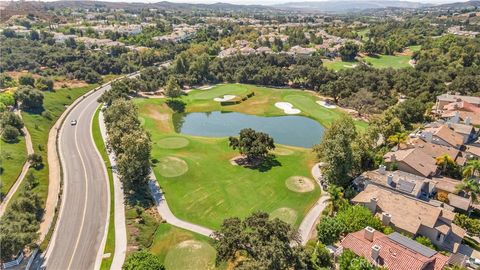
[(308, 223), (119, 208), (23, 173)]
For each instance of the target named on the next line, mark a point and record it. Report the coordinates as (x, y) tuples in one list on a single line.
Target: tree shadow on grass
[(263, 165), (176, 105)]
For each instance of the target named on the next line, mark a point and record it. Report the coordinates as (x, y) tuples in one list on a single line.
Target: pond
[(289, 130)]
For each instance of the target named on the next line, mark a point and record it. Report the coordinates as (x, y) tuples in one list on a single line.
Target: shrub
[(142, 260), (10, 134), (44, 84), (36, 161), (425, 241), (471, 225), (350, 261), (26, 80), (329, 230)]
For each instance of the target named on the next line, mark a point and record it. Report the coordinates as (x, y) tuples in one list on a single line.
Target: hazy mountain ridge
[(350, 5)]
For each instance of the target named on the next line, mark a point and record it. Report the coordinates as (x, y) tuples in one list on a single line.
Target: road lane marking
[(86, 188)]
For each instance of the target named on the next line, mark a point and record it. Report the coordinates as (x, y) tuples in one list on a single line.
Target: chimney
[(373, 205), (428, 136), (390, 179), (382, 169), (375, 252), (468, 120), (368, 234), (456, 118), (386, 217)]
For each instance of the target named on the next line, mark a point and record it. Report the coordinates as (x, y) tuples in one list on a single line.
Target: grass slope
[(39, 126), (12, 156), (110, 243), (168, 244), (388, 61)]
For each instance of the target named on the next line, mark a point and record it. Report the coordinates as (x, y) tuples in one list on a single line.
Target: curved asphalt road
[(78, 240)]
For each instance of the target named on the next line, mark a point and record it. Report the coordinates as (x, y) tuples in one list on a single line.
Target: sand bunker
[(285, 214), (225, 98), (205, 87), (300, 184), (287, 108), (326, 105)]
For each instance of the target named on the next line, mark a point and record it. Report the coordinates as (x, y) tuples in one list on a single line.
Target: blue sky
[(258, 2)]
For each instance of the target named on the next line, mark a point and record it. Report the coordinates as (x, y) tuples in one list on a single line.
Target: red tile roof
[(393, 255)]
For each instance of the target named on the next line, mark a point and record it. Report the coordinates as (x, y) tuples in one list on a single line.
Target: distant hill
[(159, 5), (341, 6), (458, 5)]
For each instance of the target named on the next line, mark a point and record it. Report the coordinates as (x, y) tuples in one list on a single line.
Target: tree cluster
[(131, 145), (259, 242), (21, 221), (348, 219)]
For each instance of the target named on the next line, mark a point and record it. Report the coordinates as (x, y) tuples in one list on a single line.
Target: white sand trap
[(206, 87), (324, 104), (287, 108), (225, 98)]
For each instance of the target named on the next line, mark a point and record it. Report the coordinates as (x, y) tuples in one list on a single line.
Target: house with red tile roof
[(394, 251)]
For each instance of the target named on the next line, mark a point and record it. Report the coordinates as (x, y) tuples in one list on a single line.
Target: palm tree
[(471, 187), (472, 169), (335, 199), (444, 161)]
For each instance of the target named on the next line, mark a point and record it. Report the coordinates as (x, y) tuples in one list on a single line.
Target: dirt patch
[(243, 161), (300, 184), (69, 84), (192, 244), (18, 74), (162, 119)]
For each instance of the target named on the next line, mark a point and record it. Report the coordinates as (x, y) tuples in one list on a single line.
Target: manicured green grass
[(338, 65), (39, 127), (210, 189), (364, 34), (110, 243), (388, 61), (263, 103), (182, 249), (12, 156), (380, 61), (415, 48)]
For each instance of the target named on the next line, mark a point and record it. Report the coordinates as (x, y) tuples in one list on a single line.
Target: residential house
[(412, 216), (437, 150), (446, 191), (394, 251), (412, 160), (298, 50), (445, 135), (228, 52), (403, 182), (264, 50), (472, 151), (445, 99)]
